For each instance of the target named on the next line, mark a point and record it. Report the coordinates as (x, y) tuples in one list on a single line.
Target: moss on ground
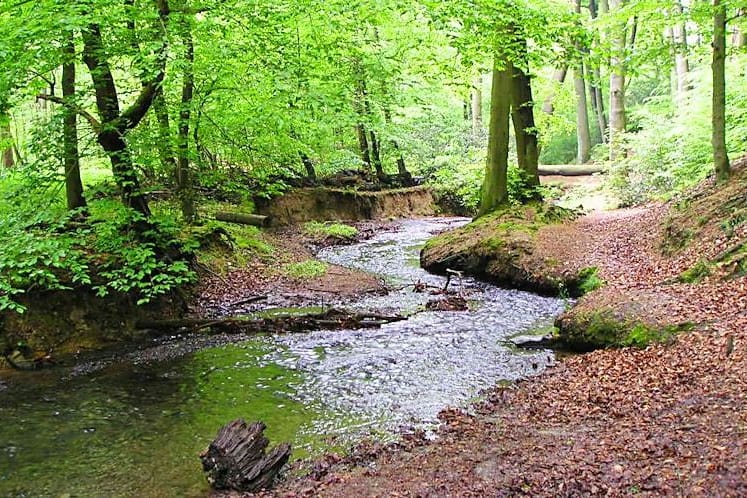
[(498, 247)]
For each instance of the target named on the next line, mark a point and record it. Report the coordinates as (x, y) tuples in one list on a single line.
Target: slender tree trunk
[(308, 166), (558, 77), (718, 138), (8, 156), (363, 146), (617, 86), (73, 183), (595, 77), (476, 106), (376, 156), (183, 174), (494, 187), (525, 130), (681, 63), (739, 36), (582, 117), (165, 147)]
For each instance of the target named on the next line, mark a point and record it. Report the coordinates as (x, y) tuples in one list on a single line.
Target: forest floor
[(667, 420)]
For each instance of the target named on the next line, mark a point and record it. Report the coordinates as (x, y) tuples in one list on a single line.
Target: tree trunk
[(558, 78), (8, 156), (165, 147), (256, 220), (308, 166), (183, 175), (376, 157), (476, 106), (596, 79), (583, 151), (494, 187), (681, 64), (525, 131), (617, 86), (73, 182), (363, 146), (718, 137), (236, 458)]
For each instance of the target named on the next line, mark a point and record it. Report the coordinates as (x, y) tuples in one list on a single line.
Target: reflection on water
[(134, 428)]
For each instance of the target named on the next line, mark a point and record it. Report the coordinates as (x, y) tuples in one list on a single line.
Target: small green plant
[(340, 231), (311, 268), (589, 280), (698, 272)]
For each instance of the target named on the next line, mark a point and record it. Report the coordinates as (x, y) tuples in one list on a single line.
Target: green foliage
[(589, 280), (698, 272), (326, 229), (311, 268)]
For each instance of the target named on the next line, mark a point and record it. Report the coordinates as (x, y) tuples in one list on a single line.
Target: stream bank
[(148, 411)]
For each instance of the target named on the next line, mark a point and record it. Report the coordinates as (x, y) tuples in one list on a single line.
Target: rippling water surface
[(134, 427)]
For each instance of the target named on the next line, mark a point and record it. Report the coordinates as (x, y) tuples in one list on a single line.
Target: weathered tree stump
[(236, 458)]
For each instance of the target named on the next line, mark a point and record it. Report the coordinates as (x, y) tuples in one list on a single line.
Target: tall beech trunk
[(718, 137), (617, 85), (583, 137), (73, 183), (494, 187), (558, 77), (525, 131), (681, 63), (183, 174), (476, 106), (595, 80)]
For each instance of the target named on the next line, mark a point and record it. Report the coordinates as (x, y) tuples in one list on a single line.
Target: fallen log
[(569, 170), (256, 220), (332, 319), (236, 458)]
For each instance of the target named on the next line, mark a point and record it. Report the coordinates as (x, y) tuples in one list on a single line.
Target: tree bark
[(183, 174), (617, 85), (363, 146), (257, 220), (8, 155), (583, 137), (681, 63), (73, 182), (494, 187), (308, 166), (476, 106), (525, 130), (376, 157), (718, 137), (165, 146), (115, 123), (558, 78), (236, 458)]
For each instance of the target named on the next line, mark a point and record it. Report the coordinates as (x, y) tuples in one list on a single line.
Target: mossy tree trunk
[(494, 187), (718, 137), (183, 174)]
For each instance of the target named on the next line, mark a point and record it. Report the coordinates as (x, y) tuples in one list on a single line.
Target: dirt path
[(668, 420)]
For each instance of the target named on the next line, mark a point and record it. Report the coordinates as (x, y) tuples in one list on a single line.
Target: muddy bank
[(321, 203), (502, 247)]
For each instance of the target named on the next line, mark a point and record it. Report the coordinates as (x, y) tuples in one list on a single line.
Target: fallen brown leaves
[(668, 420)]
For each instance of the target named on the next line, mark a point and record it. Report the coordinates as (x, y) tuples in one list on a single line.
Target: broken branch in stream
[(330, 320)]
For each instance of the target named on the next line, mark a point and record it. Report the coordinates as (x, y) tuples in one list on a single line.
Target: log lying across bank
[(329, 320), (256, 220), (236, 458), (570, 169)]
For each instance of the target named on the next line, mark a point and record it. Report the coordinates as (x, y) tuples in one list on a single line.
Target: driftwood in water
[(569, 170), (236, 458), (330, 319), (256, 220)]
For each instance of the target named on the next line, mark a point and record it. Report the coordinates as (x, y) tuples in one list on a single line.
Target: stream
[(132, 424)]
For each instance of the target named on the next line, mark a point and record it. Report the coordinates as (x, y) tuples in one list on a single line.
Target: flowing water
[(132, 424)]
